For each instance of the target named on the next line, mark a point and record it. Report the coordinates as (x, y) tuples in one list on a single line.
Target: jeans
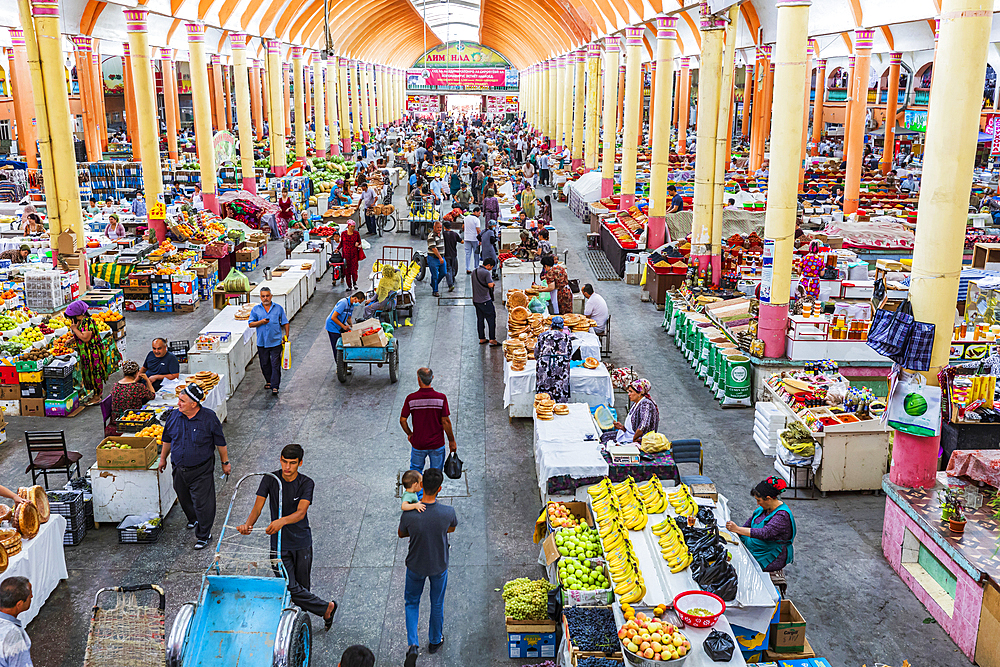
[(195, 487), (371, 222), (411, 595), (451, 268), (486, 313), (270, 365), (417, 457), (334, 337), (437, 271), (471, 251)]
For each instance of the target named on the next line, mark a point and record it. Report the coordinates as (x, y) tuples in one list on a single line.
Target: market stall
[(225, 347), (587, 385)]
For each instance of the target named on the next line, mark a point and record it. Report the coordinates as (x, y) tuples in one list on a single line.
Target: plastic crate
[(133, 536), (60, 371), (58, 389), (73, 536), (137, 425), (66, 503)]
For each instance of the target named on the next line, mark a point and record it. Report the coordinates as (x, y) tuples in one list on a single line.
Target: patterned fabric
[(812, 269), (94, 359), (113, 274), (564, 296), (552, 353), (14, 255), (491, 208), (130, 396), (527, 247), (641, 386)]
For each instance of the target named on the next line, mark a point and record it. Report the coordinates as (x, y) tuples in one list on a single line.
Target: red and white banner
[(993, 129), (423, 103), (469, 79), (501, 104)]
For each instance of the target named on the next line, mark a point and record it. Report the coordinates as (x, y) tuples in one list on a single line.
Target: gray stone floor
[(858, 611)]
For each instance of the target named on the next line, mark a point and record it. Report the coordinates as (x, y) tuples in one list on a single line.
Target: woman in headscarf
[(337, 195), (115, 229), (491, 206), (545, 217), (528, 247), (643, 417), (768, 534), (132, 391), (552, 355), (528, 200), (94, 362), (350, 250), (286, 209), (391, 281), (557, 282)]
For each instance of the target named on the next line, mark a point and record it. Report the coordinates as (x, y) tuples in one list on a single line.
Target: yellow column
[(684, 100), (241, 90), (580, 55), (818, 104), (24, 99), (169, 100), (889, 138), (381, 96), (354, 73), (319, 103), (949, 154), (131, 117), (710, 69), (331, 104), (275, 75), (555, 138), (558, 90), (789, 58), (593, 94), (612, 55), (569, 73), (722, 140), (202, 107), (853, 151), (666, 40), (298, 113), (146, 110), (633, 109), (256, 102), (344, 101)]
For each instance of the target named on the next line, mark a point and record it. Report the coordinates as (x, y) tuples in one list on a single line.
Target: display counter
[(590, 386), (232, 357), (518, 277), (42, 561), (215, 399), (122, 492), (285, 291), (319, 256), (510, 237), (614, 251)]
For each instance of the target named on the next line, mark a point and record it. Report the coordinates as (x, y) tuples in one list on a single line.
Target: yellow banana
[(682, 565), (635, 596)]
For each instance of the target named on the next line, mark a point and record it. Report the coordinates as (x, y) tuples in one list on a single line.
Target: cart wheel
[(341, 367), (394, 365), (292, 640), (177, 638)]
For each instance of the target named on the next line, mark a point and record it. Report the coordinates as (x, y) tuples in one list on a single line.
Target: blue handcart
[(244, 616), (373, 356)]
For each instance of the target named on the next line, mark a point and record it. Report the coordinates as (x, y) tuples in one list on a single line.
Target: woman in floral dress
[(557, 282), (95, 363)]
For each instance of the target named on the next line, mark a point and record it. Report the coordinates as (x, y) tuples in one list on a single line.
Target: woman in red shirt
[(350, 250), (286, 210)]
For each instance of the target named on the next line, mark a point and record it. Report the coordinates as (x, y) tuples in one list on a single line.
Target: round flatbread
[(36, 496), (26, 520)]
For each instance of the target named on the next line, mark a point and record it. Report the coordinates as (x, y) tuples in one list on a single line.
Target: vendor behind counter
[(768, 534)]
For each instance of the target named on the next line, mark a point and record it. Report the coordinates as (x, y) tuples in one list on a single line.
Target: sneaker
[(435, 294), (411, 656), (201, 544), (191, 524), (434, 648), (451, 289)]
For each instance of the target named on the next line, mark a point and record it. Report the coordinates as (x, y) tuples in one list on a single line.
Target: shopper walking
[(193, 433), (435, 256), (482, 299), (350, 250), (292, 523), (487, 243), (471, 235), (451, 241), (431, 423), (269, 319), (426, 558), (15, 599)]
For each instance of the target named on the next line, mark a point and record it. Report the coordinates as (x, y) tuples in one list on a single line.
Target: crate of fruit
[(66, 503), (136, 420), (139, 530), (591, 632)]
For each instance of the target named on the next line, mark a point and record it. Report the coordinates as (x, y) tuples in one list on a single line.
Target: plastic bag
[(536, 305), (719, 646), (915, 406), (453, 466)]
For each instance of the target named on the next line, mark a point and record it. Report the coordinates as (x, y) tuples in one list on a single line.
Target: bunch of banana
[(653, 496), (672, 545), (605, 503), (682, 502), (633, 510), (625, 573)]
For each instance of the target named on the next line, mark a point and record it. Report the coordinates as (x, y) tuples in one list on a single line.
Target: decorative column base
[(716, 260), (345, 145), (211, 202), (576, 163), (320, 152), (364, 136), (607, 187), (160, 227), (626, 202), (914, 460), (250, 185), (552, 143), (771, 327), (279, 171), (334, 148), (656, 232)]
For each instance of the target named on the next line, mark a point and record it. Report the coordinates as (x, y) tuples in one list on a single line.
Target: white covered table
[(562, 448), (320, 257), (590, 386), (233, 356), (43, 561), (286, 291), (121, 492), (518, 277), (215, 400), (588, 344)]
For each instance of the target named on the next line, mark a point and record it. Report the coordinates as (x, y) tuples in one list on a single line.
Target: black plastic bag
[(453, 466), (725, 584), (719, 646), (707, 516)]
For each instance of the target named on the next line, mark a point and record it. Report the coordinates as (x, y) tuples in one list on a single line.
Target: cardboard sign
[(157, 211)]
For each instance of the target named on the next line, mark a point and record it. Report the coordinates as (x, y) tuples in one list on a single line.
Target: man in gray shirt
[(427, 558), (482, 299)]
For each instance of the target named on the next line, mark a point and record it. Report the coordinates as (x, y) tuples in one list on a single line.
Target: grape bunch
[(592, 628), (598, 662), (526, 600)]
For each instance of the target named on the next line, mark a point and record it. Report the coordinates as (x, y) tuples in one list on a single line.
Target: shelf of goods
[(225, 347), (853, 447)]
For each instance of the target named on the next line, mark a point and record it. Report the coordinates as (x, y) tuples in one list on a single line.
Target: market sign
[(501, 104), (915, 119), (461, 54), (225, 148), (423, 103), (459, 79), (993, 130)]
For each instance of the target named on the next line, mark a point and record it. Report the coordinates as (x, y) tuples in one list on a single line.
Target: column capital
[(612, 44), (710, 21), (128, 50), (238, 41), (937, 30), (821, 63), (666, 27), (341, 61), (594, 50), (633, 36), (81, 43), (135, 19), (296, 53), (16, 36), (215, 59), (196, 32), (864, 39), (850, 60), (895, 58), (45, 8), (166, 55), (685, 62), (274, 47)]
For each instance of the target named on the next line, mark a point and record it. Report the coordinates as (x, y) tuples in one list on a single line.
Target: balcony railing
[(884, 96), (922, 96), (836, 95)]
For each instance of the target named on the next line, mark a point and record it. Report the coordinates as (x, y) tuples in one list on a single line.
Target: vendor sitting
[(528, 248), (338, 197), (17, 255), (769, 533), (132, 391), (115, 229), (643, 417), (391, 281)]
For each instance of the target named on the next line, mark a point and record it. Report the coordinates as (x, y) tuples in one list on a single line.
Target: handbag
[(889, 331), (574, 286), (914, 406), (453, 466), (917, 354)]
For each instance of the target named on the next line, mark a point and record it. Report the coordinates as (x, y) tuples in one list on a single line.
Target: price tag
[(157, 211)]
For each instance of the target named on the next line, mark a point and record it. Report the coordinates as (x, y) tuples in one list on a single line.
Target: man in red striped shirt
[(431, 423)]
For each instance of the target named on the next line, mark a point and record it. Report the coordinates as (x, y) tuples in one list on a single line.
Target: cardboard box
[(376, 339), (137, 292), (137, 305), (185, 307), (60, 407), (579, 509), (32, 407), (352, 338), (800, 658), (531, 639), (33, 377), (11, 407), (33, 390), (140, 453), (67, 243), (11, 392), (632, 278), (8, 374), (788, 634)]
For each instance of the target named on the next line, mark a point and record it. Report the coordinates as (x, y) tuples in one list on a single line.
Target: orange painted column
[(286, 72), (265, 102), (24, 98), (763, 110), (256, 105), (850, 104), (169, 100), (889, 137), (81, 49), (818, 105), (768, 109), (621, 99), (130, 113), (97, 76), (218, 93), (748, 80), (227, 89), (685, 106), (854, 151), (675, 119), (758, 107)]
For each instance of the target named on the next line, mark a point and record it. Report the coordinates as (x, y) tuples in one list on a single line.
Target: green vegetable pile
[(326, 171)]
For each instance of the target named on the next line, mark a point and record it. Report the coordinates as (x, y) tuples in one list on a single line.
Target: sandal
[(274, 392), (328, 622), (483, 341)]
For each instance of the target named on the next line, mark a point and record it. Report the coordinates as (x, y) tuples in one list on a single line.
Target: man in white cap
[(192, 433)]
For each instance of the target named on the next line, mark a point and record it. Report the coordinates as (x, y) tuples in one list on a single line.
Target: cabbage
[(236, 281)]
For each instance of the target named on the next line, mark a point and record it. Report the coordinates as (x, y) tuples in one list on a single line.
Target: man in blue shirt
[(340, 319), (160, 365), (269, 319), (193, 433), (676, 201)]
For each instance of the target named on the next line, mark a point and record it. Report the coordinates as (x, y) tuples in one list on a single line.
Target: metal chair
[(47, 454), (605, 338), (388, 314), (689, 451)]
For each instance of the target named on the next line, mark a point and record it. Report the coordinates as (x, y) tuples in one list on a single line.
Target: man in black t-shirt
[(676, 201), (296, 537), (160, 364)]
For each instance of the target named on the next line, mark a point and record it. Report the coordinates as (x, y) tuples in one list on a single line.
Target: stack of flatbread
[(515, 298), (517, 321), (577, 322), (243, 313), (590, 363), (544, 408), (207, 380)]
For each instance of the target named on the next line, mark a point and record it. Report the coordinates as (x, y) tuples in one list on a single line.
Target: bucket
[(738, 381), (718, 366), (722, 369), (713, 356), (706, 344)]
